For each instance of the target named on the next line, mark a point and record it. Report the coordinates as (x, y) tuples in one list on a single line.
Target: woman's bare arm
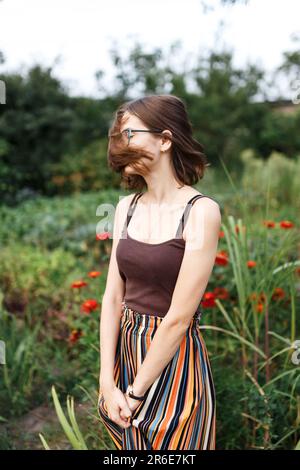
[(111, 303)]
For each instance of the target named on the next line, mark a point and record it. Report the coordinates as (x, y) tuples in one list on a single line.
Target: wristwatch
[(130, 393)]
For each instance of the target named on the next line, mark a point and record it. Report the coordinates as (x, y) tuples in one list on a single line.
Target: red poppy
[(103, 236), (89, 305), (286, 224), (278, 293), (298, 270), (75, 335), (78, 284), (259, 308), (269, 223), (208, 300), (251, 264), (221, 293), (222, 258), (221, 234), (94, 274)]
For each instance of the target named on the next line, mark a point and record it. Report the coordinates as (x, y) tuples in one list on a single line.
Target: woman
[(156, 388)]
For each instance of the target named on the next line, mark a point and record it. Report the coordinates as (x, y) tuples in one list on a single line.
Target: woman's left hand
[(132, 404)]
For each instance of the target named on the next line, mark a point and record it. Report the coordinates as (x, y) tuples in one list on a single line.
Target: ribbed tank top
[(150, 270)]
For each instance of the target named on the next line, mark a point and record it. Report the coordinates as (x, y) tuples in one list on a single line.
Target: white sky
[(81, 33)]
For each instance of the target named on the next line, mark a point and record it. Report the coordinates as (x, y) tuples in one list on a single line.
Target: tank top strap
[(130, 211), (186, 214)]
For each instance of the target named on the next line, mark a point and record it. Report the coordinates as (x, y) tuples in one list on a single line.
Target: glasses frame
[(130, 135)]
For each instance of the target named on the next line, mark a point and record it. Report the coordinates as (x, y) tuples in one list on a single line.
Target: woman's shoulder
[(205, 218), (209, 198), (208, 206), (125, 201)]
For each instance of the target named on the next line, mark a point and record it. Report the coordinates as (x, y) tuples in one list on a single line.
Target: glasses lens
[(126, 133)]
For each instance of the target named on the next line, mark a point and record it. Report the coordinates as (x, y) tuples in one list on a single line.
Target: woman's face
[(153, 143)]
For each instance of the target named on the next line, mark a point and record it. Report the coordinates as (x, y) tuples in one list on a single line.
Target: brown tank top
[(150, 270)]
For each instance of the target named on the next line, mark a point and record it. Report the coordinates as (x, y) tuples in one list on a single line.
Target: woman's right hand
[(115, 403)]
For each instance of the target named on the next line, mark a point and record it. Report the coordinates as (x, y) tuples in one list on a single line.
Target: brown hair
[(164, 112)]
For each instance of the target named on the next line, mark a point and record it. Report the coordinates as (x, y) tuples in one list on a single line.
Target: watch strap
[(131, 394)]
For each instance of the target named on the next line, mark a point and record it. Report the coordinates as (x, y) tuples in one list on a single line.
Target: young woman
[(156, 388)]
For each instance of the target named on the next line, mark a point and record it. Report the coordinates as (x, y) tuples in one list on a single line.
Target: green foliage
[(281, 175), (40, 311), (35, 126), (66, 223), (40, 124), (83, 171), (231, 426), (18, 374), (72, 430)]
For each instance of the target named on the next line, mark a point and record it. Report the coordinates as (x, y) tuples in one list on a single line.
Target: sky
[(77, 35)]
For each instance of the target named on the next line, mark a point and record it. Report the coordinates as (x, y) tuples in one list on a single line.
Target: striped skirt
[(179, 411)]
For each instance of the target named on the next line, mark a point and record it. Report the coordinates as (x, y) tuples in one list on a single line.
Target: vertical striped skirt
[(179, 411)]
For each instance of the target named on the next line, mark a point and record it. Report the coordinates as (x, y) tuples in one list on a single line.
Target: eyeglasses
[(129, 133)]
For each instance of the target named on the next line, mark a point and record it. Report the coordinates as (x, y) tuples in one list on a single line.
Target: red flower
[(286, 224), (221, 293), (221, 258), (221, 234), (278, 293), (75, 335), (94, 273), (89, 305), (78, 284), (103, 236), (297, 270), (259, 308), (269, 223), (251, 264), (208, 300)]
